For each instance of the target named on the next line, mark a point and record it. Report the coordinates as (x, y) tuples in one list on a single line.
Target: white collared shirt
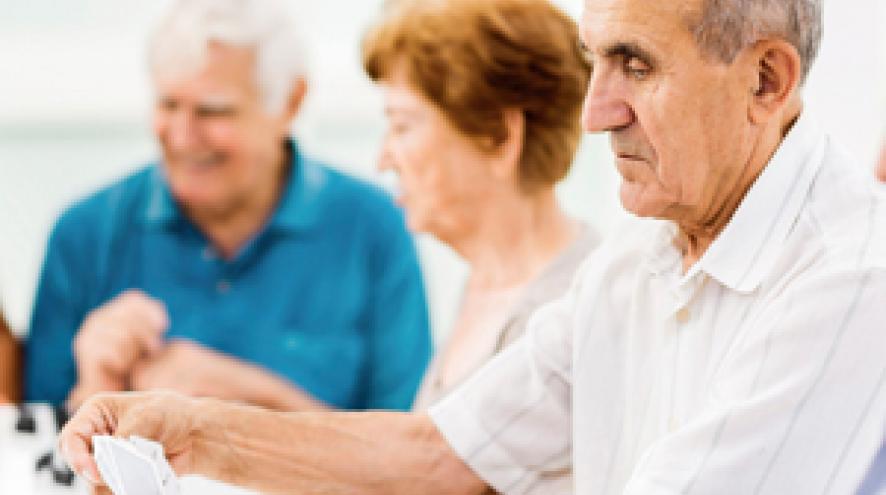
[(761, 370)]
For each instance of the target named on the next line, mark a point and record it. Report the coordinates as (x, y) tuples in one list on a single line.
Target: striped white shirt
[(761, 370)]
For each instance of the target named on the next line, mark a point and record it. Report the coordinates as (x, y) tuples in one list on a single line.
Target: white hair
[(727, 26), (181, 39)]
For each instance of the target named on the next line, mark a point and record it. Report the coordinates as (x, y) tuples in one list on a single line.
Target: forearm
[(315, 453), (265, 389)]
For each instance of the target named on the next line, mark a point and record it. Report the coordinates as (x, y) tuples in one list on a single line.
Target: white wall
[(74, 102)]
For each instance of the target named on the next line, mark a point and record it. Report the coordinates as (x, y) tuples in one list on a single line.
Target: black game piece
[(44, 461), (61, 416), (63, 476), (26, 422)]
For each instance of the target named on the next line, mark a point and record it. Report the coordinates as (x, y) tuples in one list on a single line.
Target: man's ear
[(296, 98), (778, 72), (509, 151)]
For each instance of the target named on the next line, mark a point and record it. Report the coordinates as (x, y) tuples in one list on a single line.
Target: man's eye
[(636, 68)]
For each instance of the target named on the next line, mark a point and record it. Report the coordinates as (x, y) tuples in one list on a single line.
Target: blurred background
[(75, 105)]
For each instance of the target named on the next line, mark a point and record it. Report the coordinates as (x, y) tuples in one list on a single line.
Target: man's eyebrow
[(216, 102), (627, 50)]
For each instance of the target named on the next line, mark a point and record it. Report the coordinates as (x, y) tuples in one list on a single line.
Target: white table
[(19, 453)]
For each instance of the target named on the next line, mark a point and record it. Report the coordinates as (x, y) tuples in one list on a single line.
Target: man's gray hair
[(725, 27), (179, 43)]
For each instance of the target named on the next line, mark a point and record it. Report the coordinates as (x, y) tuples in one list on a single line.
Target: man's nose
[(605, 108), (180, 131)]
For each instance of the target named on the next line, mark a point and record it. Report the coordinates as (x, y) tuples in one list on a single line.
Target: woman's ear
[(509, 151), (778, 72)]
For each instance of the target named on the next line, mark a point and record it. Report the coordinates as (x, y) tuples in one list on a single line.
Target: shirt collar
[(298, 208), (301, 205), (160, 209), (745, 251)]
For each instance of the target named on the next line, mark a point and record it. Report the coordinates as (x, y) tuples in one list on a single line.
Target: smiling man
[(235, 267), (728, 342)]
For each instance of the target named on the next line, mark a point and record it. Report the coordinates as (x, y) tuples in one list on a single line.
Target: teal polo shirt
[(328, 295)]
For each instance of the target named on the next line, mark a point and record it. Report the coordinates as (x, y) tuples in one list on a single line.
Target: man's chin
[(636, 200), (202, 203)]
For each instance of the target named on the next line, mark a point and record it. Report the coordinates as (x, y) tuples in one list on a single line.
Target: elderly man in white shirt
[(729, 342)]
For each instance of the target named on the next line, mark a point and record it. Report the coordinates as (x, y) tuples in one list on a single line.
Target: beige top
[(489, 320)]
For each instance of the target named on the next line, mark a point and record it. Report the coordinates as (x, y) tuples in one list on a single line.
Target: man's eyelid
[(636, 63)]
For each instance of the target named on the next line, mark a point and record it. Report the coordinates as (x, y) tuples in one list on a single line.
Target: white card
[(134, 467), (164, 471), (138, 476), (106, 466)]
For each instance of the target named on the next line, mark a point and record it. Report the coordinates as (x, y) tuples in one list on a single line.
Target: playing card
[(138, 475), (107, 467), (134, 467), (154, 451)]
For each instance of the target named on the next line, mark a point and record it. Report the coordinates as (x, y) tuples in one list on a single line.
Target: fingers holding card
[(134, 467)]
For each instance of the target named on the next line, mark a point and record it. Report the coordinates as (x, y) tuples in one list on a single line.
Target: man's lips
[(630, 166), (202, 163)]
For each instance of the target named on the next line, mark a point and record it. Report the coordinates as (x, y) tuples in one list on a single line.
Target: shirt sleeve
[(511, 421), (59, 308), (875, 480), (799, 405), (398, 334)]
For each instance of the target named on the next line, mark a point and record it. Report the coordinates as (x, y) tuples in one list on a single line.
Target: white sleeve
[(511, 422), (799, 405)]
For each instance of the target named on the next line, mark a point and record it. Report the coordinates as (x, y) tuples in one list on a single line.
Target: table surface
[(19, 453)]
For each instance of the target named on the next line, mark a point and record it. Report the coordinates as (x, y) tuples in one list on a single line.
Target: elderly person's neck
[(698, 231), (514, 237), (230, 228)]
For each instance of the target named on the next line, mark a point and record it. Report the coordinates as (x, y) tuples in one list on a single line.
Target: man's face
[(678, 121), (220, 145)]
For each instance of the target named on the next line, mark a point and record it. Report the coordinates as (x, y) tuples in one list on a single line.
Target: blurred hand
[(112, 339), (167, 418), (191, 369)]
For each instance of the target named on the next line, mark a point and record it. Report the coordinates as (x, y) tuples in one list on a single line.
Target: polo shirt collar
[(298, 208), (161, 209), (744, 253)]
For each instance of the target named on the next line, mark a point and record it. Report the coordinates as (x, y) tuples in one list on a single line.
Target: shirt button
[(683, 315), (208, 254), (223, 287)]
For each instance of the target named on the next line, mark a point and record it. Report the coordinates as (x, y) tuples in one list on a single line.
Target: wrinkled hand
[(167, 418), (112, 339), (193, 370)]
